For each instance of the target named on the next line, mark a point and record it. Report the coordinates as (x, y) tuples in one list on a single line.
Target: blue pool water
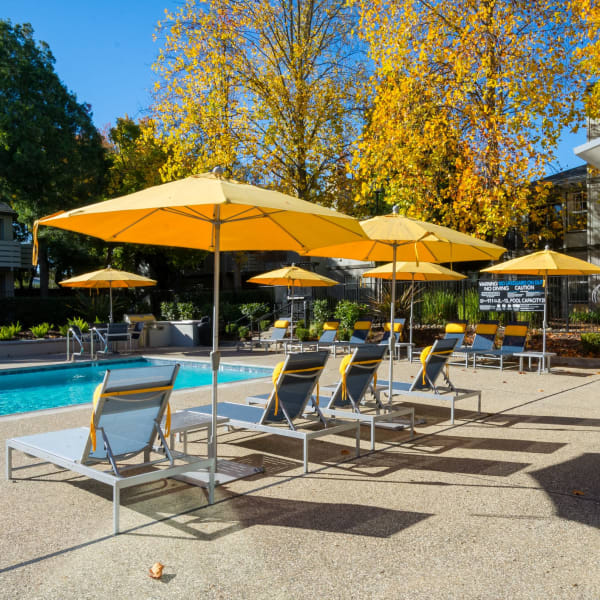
[(22, 390)]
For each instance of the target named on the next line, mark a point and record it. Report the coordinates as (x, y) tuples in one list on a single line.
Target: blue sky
[(104, 52)]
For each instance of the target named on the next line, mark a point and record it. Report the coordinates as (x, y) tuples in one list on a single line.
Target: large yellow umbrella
[(413, 271), (213, 213), (108, 278), (395, 237), (543, 264), (292, 277)]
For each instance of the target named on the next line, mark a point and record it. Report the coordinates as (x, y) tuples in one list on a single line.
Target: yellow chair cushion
[(516, 330), (276, 372), (330, 325), (397, 327), (362, 325), (282, 324), (456, 327), (486, 328)]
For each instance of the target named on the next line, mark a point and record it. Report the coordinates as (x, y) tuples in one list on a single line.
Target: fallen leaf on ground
[(540, 390), (578, 493), (345, 451), (156, 570)]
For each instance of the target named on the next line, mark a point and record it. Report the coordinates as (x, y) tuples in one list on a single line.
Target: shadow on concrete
[(438, 443), (574, 488)]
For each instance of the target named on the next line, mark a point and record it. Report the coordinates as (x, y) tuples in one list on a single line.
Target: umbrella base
[(227, 471)]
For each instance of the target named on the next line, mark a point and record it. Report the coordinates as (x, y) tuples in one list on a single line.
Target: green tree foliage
[(51, 156)]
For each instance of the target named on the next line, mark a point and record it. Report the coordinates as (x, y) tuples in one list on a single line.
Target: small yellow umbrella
[(292, 277), (545, 263), (395, 237), (108, 278), (414, 271)]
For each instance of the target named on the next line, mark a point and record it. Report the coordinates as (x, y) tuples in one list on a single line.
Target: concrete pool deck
[(502, 505)]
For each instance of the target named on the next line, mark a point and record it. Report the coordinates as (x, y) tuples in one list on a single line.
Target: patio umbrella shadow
[(247, 511), (436, 444), (574, 488), (380, 464), (556, 423)]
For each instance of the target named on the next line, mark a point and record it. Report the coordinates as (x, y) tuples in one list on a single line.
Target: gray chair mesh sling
[(485, 337), (348, 395), (514, 340), (425, 383)]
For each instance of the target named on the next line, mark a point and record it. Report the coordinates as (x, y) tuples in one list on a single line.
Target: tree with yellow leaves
[(468, 100), (265, 89)]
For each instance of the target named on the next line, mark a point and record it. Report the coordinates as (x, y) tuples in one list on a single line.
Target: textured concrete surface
[(500, 505)]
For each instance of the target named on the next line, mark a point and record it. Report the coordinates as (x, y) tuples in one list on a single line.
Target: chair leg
[(452, 412), (116, 503), (9, 462), (357, 439), (372, 435), (305, 455)]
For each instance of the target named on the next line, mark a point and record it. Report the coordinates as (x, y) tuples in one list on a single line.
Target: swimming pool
[(26, 389)]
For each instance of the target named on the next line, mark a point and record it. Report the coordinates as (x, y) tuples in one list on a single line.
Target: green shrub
[(591, 342), (231, 328), (186, 310), (78, 322), (321, 311), (302, 333), (344, 334), (41, 330), (315, 330), (9, 332), (348, 313), (168, 311), (253, 310), (243, 332), (438, 307), (585, 316), (63, 329), (264, 324), (471, 312)]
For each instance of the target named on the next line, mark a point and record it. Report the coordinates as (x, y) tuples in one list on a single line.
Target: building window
[(576, 204)]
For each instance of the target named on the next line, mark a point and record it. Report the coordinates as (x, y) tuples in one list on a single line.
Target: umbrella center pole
[(215, 355), (392, 337)]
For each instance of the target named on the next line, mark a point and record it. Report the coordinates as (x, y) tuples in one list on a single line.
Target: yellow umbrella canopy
[(210, 212), (108, 278), (413, 271), (543, 264), (421, 271), (410, 240), (292, 277)]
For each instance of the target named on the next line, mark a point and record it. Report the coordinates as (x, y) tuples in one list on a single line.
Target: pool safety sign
[(520, 295)]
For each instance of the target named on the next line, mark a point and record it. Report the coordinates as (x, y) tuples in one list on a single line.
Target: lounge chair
[(128, 407), (359, 335), (115, 332), (398, 329), (358, 370), (294, 383), (485, 336), (280, 329), (330, 329), (515, 337), (424, 385), (454, 330)]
